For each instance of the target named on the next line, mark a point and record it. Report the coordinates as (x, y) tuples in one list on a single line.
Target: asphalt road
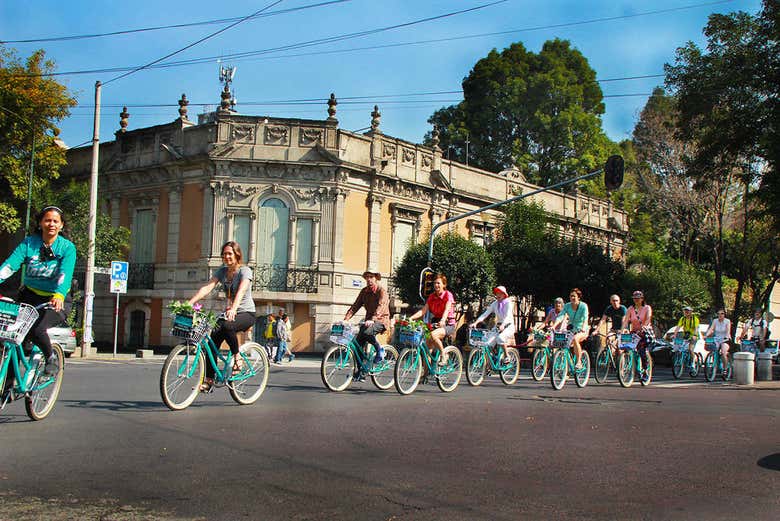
[(112, 451)]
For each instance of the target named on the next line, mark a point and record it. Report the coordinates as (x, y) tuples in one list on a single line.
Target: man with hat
[(689, 324), (504, 310), (375, 299)]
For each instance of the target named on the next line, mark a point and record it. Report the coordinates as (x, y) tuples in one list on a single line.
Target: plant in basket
[(189, 316)]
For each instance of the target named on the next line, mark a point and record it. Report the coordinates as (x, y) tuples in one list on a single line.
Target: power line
[(257, 53), (215, 33), (310, 43), (174, 26)]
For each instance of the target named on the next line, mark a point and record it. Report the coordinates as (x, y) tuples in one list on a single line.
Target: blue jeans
[(281, 350)]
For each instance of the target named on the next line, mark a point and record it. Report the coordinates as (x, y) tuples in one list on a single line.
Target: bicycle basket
[(16, 319), (628, 341), (410, 337), (183, 327), (679, 343), (477, 337), (748, 346), (710, 344), (560, 339), (341, 333)]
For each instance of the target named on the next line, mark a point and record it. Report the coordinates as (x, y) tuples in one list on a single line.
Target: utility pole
[(89, 284)]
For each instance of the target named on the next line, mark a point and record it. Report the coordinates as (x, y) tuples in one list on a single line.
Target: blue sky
[(618, 48)]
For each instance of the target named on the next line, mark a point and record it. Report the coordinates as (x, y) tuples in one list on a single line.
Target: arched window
[(273, 221)]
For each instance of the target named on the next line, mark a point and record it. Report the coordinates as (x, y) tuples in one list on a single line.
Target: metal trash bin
[(764, 367), (744, 364)]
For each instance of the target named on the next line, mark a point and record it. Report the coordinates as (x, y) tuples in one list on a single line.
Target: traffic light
[(613, 172), (426, 283)]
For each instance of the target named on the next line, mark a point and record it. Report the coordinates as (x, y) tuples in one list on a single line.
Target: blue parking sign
[(119, 271)]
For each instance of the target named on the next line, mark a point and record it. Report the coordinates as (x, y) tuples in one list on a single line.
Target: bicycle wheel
[(559, 369), (511, 367), (697, 365), (602, 365), (247, 386), (181, 376), (647, 374), (449, 374), (383, 373), (539, 365), (626, 368), (475, 368), (710, 367), (407, 371), (581, 377), (678, 365), (337, 368), (40, 401)]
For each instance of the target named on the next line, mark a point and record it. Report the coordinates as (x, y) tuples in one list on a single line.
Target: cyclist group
[(48, 260)]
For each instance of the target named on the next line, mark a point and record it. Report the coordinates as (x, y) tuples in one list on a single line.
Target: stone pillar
[(326, 236), (174, 220), (231, 226), (208, 213), (219, 218), (315, 241), (339, 196), (374, 203), (252, 237), (292, 252)]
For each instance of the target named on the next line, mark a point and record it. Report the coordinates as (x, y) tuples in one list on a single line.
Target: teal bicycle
[(21, 375), (482, 356), (713, 363), (605, 360), (563, 363), (544, 349), (682, 359), (346, 359), (415, 357), (630, 363), (184, 368)]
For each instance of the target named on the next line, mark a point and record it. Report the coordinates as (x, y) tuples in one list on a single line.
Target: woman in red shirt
[(441, 306)]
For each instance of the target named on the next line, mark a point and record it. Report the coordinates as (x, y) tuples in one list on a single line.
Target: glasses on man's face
[(46, 254)]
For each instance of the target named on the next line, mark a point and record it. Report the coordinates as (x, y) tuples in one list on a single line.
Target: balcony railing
[(277, 277), (141, 276)]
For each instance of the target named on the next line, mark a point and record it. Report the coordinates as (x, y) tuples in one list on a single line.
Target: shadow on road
[(771, 462), (111, 405)]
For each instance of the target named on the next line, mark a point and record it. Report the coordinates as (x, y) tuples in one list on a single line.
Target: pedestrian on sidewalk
[(284, 337)]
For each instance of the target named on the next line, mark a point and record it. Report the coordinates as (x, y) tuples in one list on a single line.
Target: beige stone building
[(312, 206)]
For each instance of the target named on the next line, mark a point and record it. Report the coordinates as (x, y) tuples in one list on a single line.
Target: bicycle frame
[(14, 354), (422, 353), (212, 355), (365, 362)]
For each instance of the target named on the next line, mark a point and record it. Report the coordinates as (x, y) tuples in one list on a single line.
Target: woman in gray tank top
[(236, 281)]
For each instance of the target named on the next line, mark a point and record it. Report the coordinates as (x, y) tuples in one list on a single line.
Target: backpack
[(269, 330)]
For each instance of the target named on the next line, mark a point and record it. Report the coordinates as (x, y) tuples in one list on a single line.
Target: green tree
[(532, 260), (727, 101), (30, 107), (668, 285), (467, 266), (539, 112)]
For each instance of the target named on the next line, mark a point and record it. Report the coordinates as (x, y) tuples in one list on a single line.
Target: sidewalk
[(301, 360)]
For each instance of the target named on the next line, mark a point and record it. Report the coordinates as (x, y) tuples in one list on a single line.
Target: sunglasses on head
[(46, 253)]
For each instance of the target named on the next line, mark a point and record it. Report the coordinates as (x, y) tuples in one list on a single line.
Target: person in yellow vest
[(689, 325)]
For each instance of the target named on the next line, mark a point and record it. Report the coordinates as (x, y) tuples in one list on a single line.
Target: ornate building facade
[(312, 206)]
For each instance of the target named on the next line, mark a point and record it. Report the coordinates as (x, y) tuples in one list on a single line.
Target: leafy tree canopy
[(539, 112), (467, 266), (30, 107)]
